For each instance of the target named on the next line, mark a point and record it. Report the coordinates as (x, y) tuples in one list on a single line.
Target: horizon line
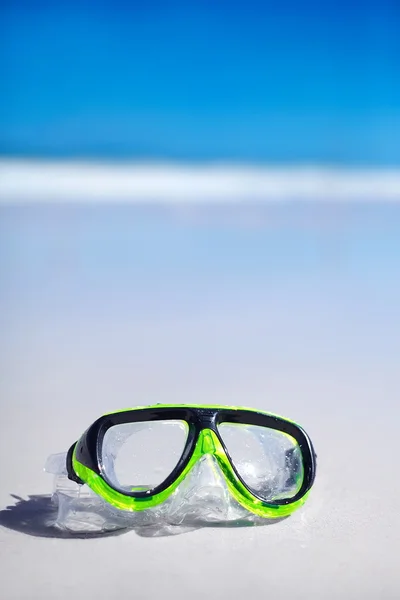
[(162, 182)]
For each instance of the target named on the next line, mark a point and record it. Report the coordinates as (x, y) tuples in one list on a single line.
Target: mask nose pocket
[(203, 495)]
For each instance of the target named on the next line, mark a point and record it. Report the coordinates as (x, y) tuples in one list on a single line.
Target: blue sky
[(255, 82)]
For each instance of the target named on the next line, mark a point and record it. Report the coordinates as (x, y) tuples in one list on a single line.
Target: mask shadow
[(37, 515)]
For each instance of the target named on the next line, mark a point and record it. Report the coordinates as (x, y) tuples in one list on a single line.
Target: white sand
[(99, 314)]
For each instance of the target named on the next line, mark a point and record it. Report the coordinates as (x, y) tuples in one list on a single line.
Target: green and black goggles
[(136, 458)]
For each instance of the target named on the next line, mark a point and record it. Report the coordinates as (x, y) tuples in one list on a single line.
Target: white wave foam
[(29, 181)]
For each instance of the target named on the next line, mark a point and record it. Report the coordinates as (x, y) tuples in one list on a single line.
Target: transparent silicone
[(202, 499)]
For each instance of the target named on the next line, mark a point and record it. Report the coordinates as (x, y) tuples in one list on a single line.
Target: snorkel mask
[(135, 459)]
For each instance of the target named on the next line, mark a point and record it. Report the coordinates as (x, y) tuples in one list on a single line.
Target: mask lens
[(138, 457), (268, 461)]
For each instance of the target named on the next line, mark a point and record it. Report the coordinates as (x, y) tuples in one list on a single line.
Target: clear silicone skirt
[(201, 499)]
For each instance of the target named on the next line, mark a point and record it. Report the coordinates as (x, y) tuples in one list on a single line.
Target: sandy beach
[(291, 311)]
